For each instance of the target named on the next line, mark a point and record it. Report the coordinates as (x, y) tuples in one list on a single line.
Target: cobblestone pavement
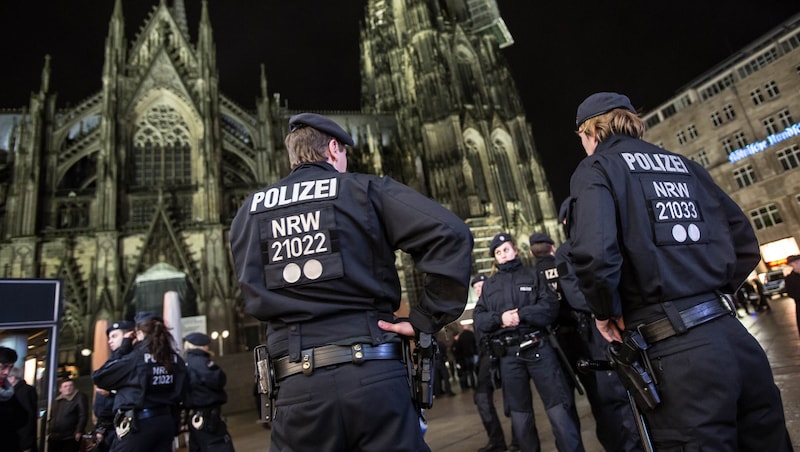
[(454, 425)]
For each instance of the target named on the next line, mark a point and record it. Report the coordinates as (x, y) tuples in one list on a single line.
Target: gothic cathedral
[(139, 182)]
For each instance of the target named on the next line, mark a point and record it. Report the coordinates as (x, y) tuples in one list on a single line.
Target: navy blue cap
[(124, 325), (145, 316), (198, 339), (477, 279), (321, 123), (539, 237), (498, 240), (601, 103)]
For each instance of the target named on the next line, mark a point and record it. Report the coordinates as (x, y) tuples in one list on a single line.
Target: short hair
[(617, 121), (307, 145), (8, 355), (540, 249), (15, 372)]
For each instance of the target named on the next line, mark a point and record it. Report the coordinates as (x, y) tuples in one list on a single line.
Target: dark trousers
[(717, 392), (62, 445), (540, 363), (484, 401), (205, 441), (364, 407), (154, 434)]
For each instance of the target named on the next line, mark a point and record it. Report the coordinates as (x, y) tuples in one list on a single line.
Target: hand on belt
[(331, 355), (696, 315)]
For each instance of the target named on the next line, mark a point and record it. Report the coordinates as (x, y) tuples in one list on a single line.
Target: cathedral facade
[(146, 174)]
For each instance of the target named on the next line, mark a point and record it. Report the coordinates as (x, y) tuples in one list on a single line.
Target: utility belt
[(679, 322), (207, 419), (510, 340), (331, 355), (126, 421)]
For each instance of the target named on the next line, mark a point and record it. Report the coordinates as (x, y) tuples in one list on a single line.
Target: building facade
[(741, 121), (144, 176)]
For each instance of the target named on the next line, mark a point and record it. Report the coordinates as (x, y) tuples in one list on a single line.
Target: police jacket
[(206, 381), (515, 286), (315, 257), (140, 381), (649, 226), (568, 282), (104, 404)]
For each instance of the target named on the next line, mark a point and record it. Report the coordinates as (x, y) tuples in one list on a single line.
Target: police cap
[(498, 240), (477, 279), (321, 123), (540, 237), (601, 103), (198, 339), (144, 316), (792, 258), (124, 325)]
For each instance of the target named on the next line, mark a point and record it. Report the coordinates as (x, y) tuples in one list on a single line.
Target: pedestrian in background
[(68, 417), (330, 303), (26, 394), (12, 414), (205, 397), (792, 284), (515, 308), (654, 242)]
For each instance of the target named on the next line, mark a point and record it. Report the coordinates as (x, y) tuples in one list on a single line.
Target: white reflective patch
[(526, 289), (312, 269), (679, 233), (694, 232), (291, 273)]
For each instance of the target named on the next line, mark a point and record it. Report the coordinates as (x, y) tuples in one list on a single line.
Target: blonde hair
[(307, 144), (616, 121)]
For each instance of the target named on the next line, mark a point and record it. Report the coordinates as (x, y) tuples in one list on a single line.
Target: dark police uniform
[(580, 339), (147, 392), (315, 257), (205, 397), (104, 404), (653, 236), (518, 286)]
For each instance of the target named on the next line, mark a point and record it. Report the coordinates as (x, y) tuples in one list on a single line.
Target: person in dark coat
[(655, 244), (12, 414), (465, 352), (68, 418), (792, 281), (26, 394), (315, 256), (207, 429)]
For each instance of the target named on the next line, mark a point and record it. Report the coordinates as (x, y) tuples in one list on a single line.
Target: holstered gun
[(265, 380), (421, 362), (628, 358)]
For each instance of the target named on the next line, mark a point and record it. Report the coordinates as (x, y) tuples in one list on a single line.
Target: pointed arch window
[(161, 150)]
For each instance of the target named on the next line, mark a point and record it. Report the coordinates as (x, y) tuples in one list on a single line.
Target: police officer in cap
[(515, 308), (579, 340), (150, 383), (120, 340), (314, 254), (205, 397), (654, 241)]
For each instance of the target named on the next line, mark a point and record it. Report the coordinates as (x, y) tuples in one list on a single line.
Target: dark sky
[(563, 52)]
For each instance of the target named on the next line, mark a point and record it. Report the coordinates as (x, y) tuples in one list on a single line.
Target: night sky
[(563, 52)]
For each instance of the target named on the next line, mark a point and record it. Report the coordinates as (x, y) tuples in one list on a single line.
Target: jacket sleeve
[(744, 241), (440, 244), (545, 310), (113, 373), (594, 248)]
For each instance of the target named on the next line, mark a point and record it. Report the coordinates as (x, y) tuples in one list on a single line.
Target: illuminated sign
[(759, 146)]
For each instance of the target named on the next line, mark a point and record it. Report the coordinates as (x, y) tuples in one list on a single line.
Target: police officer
[(314, 253), (484, 390), (120, 340), (150, 383), (205, 397), (515, 307), (654, 241), (579, 339)]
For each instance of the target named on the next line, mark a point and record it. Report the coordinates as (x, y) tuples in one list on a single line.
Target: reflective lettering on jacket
[(159, 378), (295, 193)]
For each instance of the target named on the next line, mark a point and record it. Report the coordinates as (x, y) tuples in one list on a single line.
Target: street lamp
[(220, 337)]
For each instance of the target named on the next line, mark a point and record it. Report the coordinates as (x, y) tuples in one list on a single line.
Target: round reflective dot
[(694, 232), (679, 233), (312, 269), (291, 273)]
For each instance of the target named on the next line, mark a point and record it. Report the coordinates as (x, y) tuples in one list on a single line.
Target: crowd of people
[(615, 312)]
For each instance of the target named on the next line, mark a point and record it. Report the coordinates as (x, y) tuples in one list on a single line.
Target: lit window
[(744, 176), (766, 217)]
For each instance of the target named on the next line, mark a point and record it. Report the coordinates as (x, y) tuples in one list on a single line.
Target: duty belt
[(516, 339), (331, 355), (696, 315)]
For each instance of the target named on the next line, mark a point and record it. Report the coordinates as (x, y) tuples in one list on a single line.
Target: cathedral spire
[(263, 82), (45, 75), (205, 39), (179, 11)]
